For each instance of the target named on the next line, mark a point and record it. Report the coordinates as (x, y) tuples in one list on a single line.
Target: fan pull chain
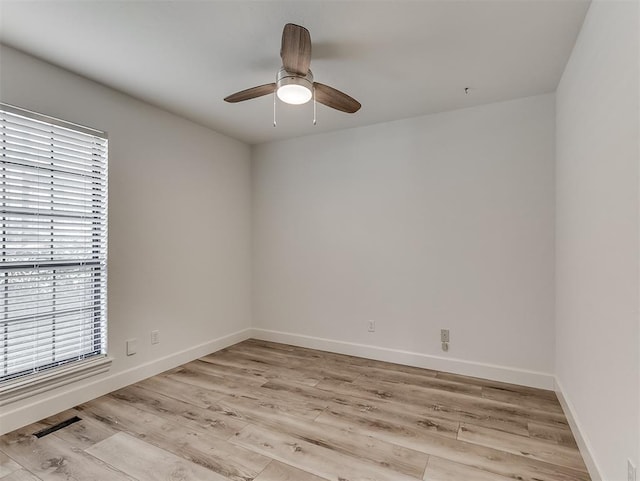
[(274, 108), (314, 106)]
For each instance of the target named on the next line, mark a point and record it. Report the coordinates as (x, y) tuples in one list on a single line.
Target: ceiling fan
[(294, 82)]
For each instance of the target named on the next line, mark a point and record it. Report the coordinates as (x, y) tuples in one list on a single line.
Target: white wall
[(597, 356), (179, 228), (441, 221)]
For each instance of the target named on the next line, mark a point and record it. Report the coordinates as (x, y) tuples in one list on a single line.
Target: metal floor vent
[(56, 427)]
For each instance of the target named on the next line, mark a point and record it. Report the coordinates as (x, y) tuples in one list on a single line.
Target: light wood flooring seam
[(272, 412)]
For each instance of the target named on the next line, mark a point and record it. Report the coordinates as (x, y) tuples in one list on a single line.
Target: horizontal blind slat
[(37, 157), (34, 135), (41, 141), (19, 176), (47, 127), (51, 150), (31, 164)]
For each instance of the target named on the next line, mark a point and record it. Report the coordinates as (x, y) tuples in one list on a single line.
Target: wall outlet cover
[(132, 347), (371, 326), (444, 335), (155, 337)]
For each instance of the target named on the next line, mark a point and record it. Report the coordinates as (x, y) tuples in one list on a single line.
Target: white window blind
[(53, 243)]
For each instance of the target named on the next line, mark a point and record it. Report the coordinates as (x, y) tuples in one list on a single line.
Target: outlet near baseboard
[(444, 335), (132, 346)]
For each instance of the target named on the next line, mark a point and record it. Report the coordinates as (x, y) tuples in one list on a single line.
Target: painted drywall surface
[(597, 357), (442, 221), (179, 214)]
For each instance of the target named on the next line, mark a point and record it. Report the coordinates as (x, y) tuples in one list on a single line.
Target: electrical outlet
[(631, 471), (132, 347), (372, 326), (155, 337), (444, 335)]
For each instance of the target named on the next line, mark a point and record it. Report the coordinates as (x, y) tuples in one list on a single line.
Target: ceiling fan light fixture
[(294, 89), (294, 94)]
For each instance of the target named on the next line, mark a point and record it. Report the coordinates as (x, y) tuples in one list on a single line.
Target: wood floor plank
[(413, 438), (188, 393), (347, 400), (439, 469), (81, 434), (313, 358), (552, 434), (311, 393), (187, 374), (430, 405), (277, 471), (290, 405), (534, 401), (229, 357), (404, 424), (150, 463), (334, 365), (219, 376), (523, 446), (326, 368), (496, 408), (477, 456), (312, 458), (309, 401), (7, 465), (342, 440), (407, 379), (51, 459), (273, 373), (360, 364), (283, 402), (513, 388), (20, 475), (188, 441), (386, 412), (216, 424), (488, 407)]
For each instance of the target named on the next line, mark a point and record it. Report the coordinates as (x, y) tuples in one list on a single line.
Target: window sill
[(21, 388)]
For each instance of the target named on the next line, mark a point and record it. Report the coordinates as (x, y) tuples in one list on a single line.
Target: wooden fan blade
[(335, 99), (296, 49), (251, 93)]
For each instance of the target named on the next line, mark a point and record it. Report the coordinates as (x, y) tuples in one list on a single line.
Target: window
[(53, 246)]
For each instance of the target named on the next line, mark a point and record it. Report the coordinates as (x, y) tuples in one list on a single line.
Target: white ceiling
[(398, 58)]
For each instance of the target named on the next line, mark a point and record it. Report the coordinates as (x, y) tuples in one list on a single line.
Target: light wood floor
[(273, 412)]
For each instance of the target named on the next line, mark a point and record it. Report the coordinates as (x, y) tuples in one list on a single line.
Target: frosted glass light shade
[(294, 94)]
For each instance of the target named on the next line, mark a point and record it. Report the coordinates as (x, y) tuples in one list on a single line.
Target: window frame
[(42, 378)]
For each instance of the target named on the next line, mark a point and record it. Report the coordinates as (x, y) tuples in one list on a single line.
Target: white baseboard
[(576, 428), (83, 391), (438, 363)]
